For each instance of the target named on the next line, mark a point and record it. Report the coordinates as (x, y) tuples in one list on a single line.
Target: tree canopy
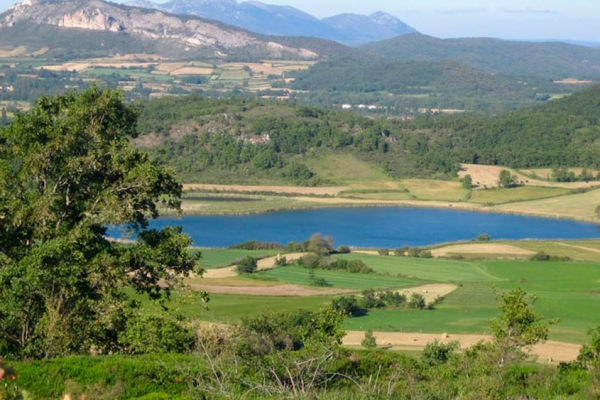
[(67, 171)]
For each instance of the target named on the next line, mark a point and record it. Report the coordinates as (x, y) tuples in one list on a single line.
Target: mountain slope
[(98, 26), (350, 29), (552, 60)]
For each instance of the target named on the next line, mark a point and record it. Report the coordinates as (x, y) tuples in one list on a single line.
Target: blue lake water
[(373, 227)]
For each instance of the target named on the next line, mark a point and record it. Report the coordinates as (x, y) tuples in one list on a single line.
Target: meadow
[(566, 291)]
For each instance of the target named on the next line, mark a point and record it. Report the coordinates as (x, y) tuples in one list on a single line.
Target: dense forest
[(445, 84), (551, 60), (245, 140)]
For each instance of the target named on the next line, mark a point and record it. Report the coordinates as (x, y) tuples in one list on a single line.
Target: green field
[(566, 291), (569, 291), (434, 270), (338, 279), (524, 193), (214, 258), (584, 250)]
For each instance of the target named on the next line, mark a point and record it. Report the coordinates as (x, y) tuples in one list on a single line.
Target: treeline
[(237, 140)]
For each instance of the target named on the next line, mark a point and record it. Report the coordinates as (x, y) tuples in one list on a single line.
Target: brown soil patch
[(18, 51), (482, 248), (269, 262), (431, 291), (550, 351), (275, 290), (319, 191)]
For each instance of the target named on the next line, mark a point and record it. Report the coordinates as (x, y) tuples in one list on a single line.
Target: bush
[(483, 237), (417, 301), (256, 245), (370, 341), (248, 265), (150, 334), (383, 252), (344, 249)]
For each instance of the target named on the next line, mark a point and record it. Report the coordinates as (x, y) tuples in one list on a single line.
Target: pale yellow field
[(546, 173), (548, 352), (495, 249), (488, 175), (579, 206), (320, 191), (191, 71), (8, 52), (423, 189)]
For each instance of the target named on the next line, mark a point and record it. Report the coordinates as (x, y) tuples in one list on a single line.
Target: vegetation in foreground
[(67, 170)]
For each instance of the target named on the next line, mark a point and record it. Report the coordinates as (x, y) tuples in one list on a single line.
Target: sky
[(577, 20)]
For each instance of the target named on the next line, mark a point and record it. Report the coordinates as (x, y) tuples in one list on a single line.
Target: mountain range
[(350, 29), (92, 27)]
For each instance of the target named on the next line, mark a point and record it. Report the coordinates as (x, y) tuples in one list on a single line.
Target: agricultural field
[(567, 291), (215, 258)]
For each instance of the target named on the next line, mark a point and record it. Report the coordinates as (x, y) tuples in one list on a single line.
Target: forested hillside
[(550, 60), (250, 141), (444, 84)]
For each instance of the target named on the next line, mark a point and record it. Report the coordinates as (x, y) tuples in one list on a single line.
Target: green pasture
[(524, 193), (435, 270), (427, 189), (338, 279), (377, 194), (347, 170), (215, 258), (583, 250), (229, 309)]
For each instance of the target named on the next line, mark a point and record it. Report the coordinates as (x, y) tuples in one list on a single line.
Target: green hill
[(251, 141), (445, 84), (550, 60)]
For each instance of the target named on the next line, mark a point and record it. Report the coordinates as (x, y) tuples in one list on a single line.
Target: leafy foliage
[(67, 170)]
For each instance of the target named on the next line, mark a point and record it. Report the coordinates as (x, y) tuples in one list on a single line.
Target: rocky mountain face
[(350, 29), (184, 32)]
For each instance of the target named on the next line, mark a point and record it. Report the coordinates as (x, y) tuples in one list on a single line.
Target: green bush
[(247, 265), (157, 334)]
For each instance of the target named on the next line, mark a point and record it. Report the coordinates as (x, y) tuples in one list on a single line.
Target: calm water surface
[(373, 227)]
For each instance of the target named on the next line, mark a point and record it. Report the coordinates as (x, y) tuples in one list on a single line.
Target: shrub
[(383, 252), (256, 245), (483, 237), (417, 301), (248, 265), (149, 334), (344, 249), (370, 341)]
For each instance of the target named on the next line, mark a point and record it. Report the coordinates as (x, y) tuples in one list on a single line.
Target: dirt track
[(549, 352)]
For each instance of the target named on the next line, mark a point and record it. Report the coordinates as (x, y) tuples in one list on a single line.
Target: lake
[(373, 227)]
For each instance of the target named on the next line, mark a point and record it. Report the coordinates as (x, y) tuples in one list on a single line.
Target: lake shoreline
[(381, 204)]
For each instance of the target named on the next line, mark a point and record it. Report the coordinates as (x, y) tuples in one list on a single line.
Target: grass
[(581, 205), (524, 193), (377, 194), (338, 279), (259, 204), (425, 269), (347, 170), (575, 250), (425, 189), (214, 258), (224, 308)]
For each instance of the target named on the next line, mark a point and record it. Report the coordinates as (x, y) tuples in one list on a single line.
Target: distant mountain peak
[(264, 18)]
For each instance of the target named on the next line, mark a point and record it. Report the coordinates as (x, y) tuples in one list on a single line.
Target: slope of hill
[(551, 60), (444, 84), (101, 27), (350, 29), (250, 141)]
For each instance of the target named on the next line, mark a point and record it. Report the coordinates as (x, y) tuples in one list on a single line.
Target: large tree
[(67, 171)]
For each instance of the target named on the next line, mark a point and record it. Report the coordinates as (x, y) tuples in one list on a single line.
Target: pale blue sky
[(507, 19)]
